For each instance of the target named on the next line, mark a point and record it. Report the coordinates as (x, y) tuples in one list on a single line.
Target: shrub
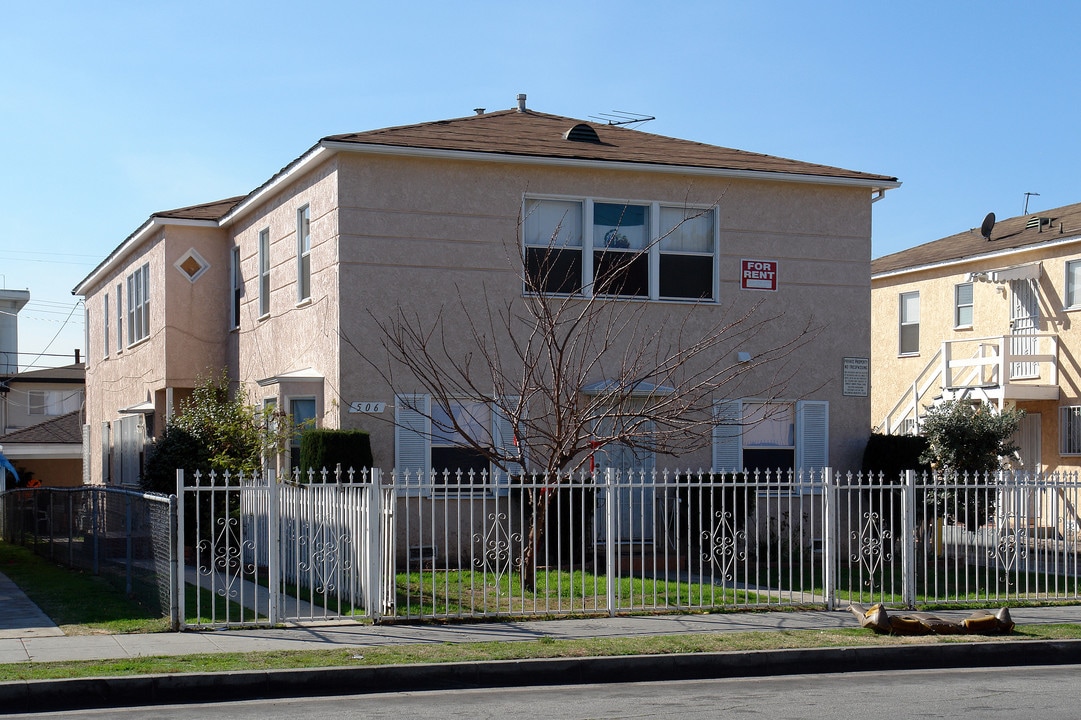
[(892, 455), (321, 448)]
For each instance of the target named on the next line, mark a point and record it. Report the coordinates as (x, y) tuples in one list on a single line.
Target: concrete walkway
[(27, 635)]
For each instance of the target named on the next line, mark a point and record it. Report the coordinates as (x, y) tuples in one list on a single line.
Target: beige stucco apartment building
[(281, 286), (986, 315)]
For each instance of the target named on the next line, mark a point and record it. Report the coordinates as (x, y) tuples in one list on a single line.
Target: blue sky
[(113, 110)]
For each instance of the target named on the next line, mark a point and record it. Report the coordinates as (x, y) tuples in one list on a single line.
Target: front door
[(1024, 324), (633, 496)]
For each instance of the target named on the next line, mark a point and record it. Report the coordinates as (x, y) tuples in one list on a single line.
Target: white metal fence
[(450, 546), (260, 551)]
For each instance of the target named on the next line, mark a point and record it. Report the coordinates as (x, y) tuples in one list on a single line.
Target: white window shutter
[(412, 440), (504, 440), (728, 435), (812, 434)]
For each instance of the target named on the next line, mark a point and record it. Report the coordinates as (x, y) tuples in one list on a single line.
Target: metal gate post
[(374, 555), (908, 547), (182, 566), (273, 541), (129, 549), (175, 570), (609, 539), (829, 538)]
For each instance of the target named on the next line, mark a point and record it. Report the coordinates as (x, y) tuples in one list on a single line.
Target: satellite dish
[(988, 226)]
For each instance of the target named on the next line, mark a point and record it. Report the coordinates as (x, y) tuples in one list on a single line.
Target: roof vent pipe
[(521, 102), (478, 111)]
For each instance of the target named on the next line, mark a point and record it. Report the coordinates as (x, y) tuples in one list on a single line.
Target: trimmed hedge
[(893, 454), (322, 448)]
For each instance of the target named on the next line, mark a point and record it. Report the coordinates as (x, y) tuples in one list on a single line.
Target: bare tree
[(571, 368)]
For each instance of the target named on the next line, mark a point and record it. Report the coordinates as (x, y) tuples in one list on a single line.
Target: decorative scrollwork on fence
[(1008, 555), (723, 544), (498, 543), (874, 547)]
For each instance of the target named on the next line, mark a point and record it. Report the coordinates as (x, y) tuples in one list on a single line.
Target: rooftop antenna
[(1027, 196), (987, 226), (623, 117)]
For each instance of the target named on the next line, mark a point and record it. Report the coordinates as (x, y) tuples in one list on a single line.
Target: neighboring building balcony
[(990, 369)]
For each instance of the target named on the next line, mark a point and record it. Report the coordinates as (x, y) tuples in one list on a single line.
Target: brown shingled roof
[(60, 429), (1008, 234), (74, 373), (535, 134), (206, 211)]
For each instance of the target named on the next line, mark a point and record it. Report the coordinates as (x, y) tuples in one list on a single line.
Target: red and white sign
[(758, 275)]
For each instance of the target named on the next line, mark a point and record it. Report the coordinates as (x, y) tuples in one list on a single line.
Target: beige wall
[(390, 233), (414, 229), (295, 335), (893, 375), (186, 334)]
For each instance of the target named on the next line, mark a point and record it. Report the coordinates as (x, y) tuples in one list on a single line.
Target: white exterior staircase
[(992, 370)]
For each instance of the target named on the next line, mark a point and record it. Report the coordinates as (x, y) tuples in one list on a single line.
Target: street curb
[(85, 693)]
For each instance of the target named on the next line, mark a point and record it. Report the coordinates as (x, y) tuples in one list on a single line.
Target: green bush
[(320, 448)]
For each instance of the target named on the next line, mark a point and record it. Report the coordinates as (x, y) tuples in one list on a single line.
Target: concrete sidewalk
[(27, 635)]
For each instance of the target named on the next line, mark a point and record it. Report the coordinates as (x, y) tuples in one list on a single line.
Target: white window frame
[(264, 272), (1072, 295), (139, 305), (903, 322), (959, 305), (119, 317), (304, 253), (293, 460), (587, 245), (105, 326), (1069, 430), (237, 289)]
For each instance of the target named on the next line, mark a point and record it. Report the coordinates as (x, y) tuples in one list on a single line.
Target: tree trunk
[(536, 540)]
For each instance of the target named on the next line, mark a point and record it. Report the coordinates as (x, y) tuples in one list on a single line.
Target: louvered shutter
[(728, 436), (412, 441), (504, 440), (812, 434)]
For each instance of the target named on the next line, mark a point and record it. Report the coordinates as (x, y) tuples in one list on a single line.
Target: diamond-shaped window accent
[(192, 265)]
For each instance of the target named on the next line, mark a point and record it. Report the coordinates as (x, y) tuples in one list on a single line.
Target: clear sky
[(114, 110)]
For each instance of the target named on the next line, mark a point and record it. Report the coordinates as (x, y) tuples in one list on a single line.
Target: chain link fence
[(123, 536)]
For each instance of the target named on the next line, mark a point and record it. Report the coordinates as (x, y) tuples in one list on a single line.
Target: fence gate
[(257, 551)]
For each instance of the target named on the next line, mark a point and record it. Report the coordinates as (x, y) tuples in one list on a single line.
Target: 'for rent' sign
[(758, 275)]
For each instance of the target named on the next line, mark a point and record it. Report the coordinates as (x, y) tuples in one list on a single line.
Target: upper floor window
[(119, 318), (962, 305), (264, 272), (643, 250), (304, 251), (238, 289), (1073, 284), (105, 325), (139, 304), (909, 335)]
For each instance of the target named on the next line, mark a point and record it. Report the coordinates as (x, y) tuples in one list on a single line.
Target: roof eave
[(972, 258), (116, 257), (326, 147), (374, 148)]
